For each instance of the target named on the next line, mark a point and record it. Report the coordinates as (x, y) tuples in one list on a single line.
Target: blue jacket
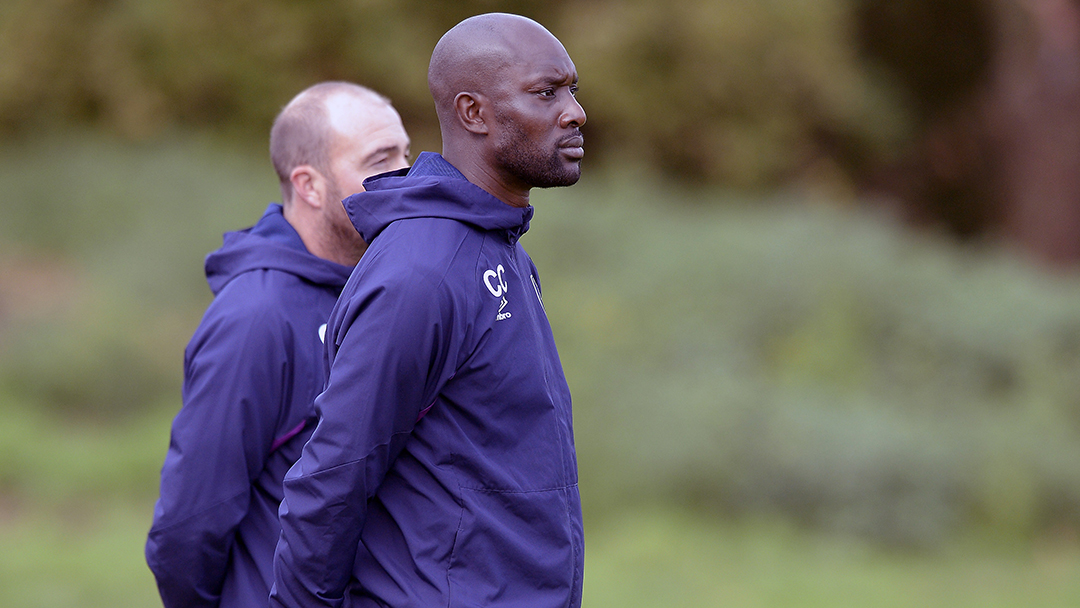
[(251, 372), (442, 470)]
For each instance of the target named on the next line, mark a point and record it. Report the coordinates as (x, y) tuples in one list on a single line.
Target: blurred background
[(816, 293)]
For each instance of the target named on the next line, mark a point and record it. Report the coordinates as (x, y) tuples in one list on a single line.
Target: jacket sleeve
[(393, 355), (234, 377)]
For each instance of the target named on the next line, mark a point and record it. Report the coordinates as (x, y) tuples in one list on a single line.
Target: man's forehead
[(555, 71), (539, 56), (347, 112), (497, 51)]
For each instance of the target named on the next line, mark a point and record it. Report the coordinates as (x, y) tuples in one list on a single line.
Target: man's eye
[(573, 90), (548, 92)]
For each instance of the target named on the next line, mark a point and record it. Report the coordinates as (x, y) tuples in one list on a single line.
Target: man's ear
[(308, 185), (471, 110)]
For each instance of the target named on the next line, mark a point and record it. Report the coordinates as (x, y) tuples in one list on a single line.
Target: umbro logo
[(496, 284)]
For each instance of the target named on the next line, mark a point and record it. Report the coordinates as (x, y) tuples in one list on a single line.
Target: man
[(256, 362), (442, 471)]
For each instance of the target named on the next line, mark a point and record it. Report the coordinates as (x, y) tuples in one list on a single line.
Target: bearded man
[(256, 362), (442, 471)]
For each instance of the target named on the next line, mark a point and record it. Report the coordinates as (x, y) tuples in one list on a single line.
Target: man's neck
[(319, 242), (486, 178)]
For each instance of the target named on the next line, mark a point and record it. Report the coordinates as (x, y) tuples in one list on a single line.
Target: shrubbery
[(800, 359), (812, 362), (101, 252)]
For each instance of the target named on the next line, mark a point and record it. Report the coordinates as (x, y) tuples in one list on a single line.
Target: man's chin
[(558, 171), (573, 173), (568, 178)]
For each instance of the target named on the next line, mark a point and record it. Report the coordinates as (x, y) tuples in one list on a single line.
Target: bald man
[(442, 471), (256, 362)]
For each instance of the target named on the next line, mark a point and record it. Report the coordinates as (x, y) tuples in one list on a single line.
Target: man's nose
[(573, 115)]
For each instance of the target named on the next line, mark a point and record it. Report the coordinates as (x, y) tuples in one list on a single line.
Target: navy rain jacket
[(442, 470), (251, 373)]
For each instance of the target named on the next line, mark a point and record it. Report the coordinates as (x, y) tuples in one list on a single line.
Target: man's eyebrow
[(383, 150), (556, 77)]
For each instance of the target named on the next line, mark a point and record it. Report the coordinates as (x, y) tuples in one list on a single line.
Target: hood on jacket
[(432, 187), (271, 244)]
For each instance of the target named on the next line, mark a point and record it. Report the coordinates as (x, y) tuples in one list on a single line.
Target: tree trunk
[(1036, 118)]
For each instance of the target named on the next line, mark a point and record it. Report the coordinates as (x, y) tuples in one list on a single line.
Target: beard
[(336, 223), (522, 158)]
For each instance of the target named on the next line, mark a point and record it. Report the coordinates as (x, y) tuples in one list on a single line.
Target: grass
[(76, 498), (84, 555), (672, 558)]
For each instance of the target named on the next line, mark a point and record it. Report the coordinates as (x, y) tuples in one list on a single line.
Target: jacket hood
[(271, 244), (432, 187)]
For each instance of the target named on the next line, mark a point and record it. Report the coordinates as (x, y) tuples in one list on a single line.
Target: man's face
[(537, 143), (368, 139)]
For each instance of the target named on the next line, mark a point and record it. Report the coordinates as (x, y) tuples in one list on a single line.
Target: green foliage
[(49, 458), (813, 362), (94, 359), (753, 356), (101, 250), (739, 91), (742, 372)]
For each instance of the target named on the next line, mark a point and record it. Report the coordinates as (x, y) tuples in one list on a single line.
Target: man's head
[(504, 91), (324, 144)]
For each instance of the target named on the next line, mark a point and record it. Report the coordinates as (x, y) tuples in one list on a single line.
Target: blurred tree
[(994, 86), (1036, 96), (965, 110), (939, 55), (748, 93), (743, 92)]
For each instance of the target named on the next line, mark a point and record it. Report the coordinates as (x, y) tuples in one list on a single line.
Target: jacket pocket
[(517, 549)]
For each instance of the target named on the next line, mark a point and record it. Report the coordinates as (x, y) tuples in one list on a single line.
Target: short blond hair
[(301, 133)]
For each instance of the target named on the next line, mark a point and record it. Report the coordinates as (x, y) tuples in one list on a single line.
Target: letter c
[(498, 289)]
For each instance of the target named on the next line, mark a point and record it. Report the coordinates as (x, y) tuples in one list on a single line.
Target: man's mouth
[(573, 147)]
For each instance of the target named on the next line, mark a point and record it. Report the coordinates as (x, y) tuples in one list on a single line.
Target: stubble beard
[(521, 158), (347, 240)]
